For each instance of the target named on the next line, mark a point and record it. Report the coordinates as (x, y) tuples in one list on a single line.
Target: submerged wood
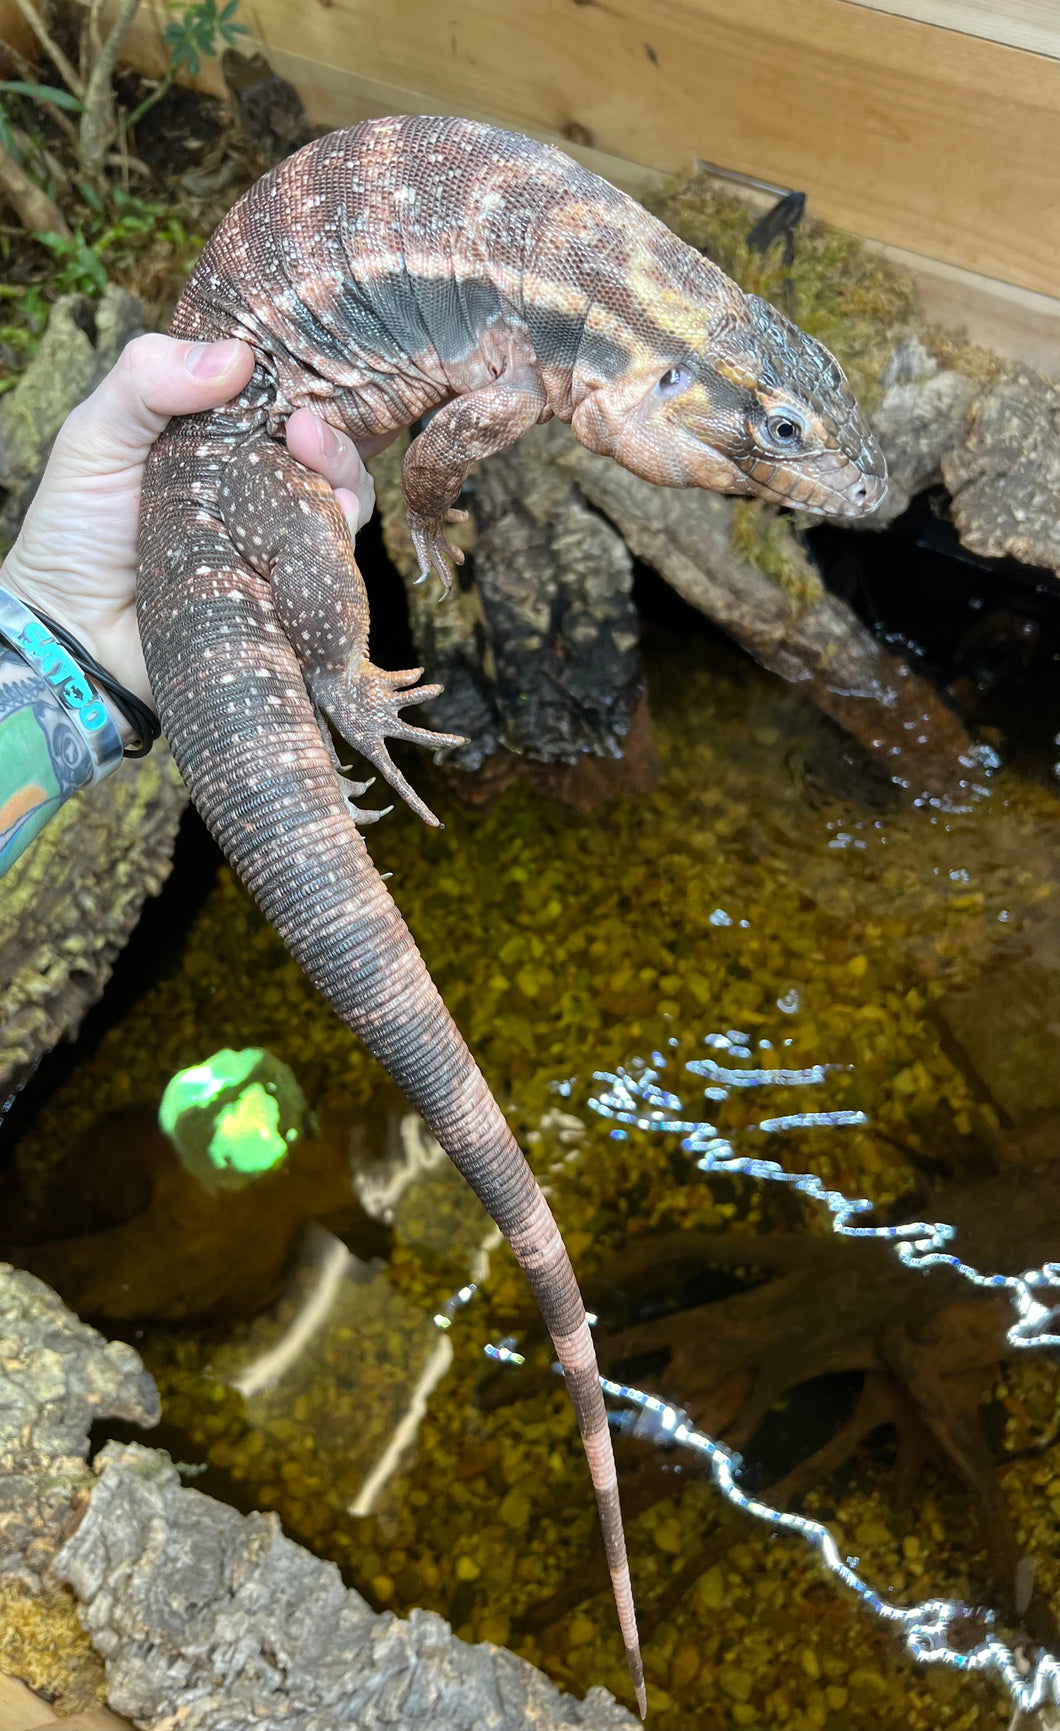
[(929, 1346)]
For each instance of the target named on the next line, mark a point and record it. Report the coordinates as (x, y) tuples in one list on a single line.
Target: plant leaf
[(42, 93), (90, 196)]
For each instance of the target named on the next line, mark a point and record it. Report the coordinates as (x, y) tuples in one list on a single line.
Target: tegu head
[(756, 407)]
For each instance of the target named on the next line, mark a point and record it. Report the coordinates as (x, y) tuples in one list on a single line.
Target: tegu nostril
[(867, 493)]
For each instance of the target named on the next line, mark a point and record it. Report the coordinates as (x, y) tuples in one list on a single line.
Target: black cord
[(137, 713)]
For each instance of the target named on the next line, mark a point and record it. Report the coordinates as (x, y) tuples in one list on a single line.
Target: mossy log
[(203, 1615), (71, 901), (538, 652), (816, 642)]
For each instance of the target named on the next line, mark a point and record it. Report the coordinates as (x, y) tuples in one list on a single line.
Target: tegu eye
[(784, 428), (673, 380)]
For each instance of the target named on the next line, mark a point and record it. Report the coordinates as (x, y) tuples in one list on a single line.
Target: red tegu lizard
[(401, 267)]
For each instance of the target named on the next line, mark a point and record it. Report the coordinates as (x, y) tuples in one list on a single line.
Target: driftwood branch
[(65, 68), (98, 123), (819, 645), (34, 209)]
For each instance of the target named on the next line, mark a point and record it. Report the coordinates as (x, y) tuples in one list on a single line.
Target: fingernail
[(210, 360), (330, 443)]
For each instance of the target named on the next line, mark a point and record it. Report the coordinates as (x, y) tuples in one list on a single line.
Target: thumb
[(155, 377)]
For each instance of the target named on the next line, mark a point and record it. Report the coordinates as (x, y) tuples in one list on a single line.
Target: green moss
[(771, 543), (42, 1642), (842, 292)]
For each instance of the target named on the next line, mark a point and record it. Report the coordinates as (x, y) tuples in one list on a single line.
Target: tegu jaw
[(807, 443), (760, 408)]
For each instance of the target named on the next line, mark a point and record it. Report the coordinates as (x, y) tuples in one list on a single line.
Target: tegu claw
[(433, 548), (364, 707), (353, 790)]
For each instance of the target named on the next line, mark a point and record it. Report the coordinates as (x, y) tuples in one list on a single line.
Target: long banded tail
[(241, 727)]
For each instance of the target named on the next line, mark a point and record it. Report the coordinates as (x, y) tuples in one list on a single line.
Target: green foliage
[(190, 38), (111, 228), (109, 239), (7, 138), (193, 35), (26, 147), (43, 93), (79, 268), (21, 327)]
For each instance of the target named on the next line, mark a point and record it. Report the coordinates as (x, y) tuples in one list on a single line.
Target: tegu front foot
[(364, 704), (434, 550)]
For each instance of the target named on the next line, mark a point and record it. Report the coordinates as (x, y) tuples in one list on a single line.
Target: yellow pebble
[(735, 1682), (684, 1666), (467, 1569), (809, 1663), (658, 1700), (872, 1533), (494, 1626), (382, 1586), (709, 1590), (668, 1535), (515, 1508), (867, 1683), (836, 1696), (858, 965), (581, 1630)]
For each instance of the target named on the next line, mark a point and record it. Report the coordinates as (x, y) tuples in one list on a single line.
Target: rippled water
[(835, 982)]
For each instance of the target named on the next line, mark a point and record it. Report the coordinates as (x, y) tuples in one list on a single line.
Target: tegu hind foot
[(364, 704), (433, 548)]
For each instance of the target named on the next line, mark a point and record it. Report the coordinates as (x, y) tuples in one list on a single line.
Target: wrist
[(52, 598), (59, 670), (110, 636)]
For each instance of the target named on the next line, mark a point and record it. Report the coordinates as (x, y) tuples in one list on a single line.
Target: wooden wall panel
[(1032, 24), (942, 143)]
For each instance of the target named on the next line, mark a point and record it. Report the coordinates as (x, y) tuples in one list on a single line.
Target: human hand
[(75, 556)]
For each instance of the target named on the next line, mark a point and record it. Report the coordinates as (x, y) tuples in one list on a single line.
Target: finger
[(351, 508), (155, 377), (331, 454)]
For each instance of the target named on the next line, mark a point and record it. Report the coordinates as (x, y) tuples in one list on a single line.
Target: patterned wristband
[(68, 672)]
